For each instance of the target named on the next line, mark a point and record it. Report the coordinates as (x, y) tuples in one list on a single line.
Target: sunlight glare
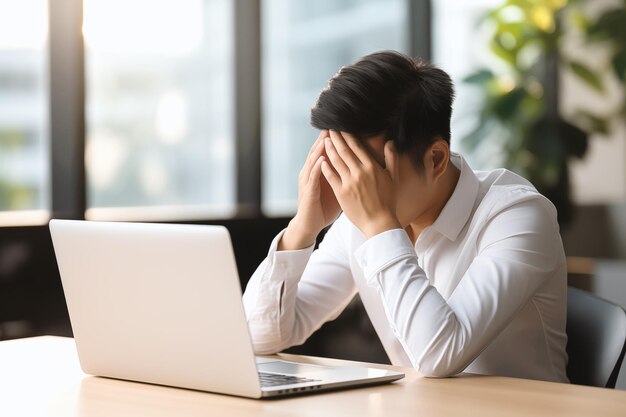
[(158, 27)]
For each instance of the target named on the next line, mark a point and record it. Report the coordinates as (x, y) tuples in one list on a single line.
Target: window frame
[(68, 186)]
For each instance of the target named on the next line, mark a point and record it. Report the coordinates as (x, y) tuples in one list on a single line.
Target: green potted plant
[(520, 97)]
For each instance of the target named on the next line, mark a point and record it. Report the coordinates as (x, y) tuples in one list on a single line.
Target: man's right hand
[(317, 205)]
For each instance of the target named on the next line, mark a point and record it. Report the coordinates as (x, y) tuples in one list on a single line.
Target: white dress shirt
[(483, 290)]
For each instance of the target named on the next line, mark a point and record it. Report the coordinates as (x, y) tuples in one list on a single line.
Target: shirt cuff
[(286, 264), (382, 250)]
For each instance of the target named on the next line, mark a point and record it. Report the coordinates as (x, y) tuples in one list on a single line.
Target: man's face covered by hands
[(412, 191), (377, 188)]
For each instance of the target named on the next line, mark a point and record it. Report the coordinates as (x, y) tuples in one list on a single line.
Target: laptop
[(161, 303)]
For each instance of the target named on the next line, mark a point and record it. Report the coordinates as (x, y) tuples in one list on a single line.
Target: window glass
[(159, 98), (460, 46), (24, 130), (304, 44)]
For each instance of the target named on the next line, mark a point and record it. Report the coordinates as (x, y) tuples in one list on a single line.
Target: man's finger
[(357, 148), (336, 160), (316, 153), (323, 134), (316, 172), (313, 156), (331, 176), (347, 155)]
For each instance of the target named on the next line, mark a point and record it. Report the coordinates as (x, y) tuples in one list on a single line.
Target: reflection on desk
[(42, 377)]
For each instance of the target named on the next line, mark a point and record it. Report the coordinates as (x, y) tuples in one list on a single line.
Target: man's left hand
[(364, 189)]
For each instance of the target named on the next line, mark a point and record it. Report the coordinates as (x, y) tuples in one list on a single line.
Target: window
[(159, 97), (304, 44), (24, 187), (161, 100), (460, 47)]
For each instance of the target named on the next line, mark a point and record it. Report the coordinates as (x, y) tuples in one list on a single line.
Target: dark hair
[(409, 101)]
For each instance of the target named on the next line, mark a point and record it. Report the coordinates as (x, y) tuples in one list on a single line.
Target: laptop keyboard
[(272, 380)]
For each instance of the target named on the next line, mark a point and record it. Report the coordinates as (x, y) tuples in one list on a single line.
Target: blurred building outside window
[(159, 109), (159, 100), (304, 43), (24, 129)]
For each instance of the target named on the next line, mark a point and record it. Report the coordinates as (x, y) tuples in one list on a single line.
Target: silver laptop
[(161, 303)]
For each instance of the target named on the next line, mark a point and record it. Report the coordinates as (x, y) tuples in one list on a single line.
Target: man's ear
[(436, 159)]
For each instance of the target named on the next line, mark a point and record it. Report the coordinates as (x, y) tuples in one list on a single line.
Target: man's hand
[(365, 190), (317, 205)]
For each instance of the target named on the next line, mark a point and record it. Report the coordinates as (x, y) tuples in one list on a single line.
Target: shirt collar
[(458, 209)]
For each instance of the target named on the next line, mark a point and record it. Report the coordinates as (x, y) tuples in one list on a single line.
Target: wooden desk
[(41, 377)]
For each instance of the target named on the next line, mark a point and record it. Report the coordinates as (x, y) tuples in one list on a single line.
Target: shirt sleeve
[(292, 293), (519, 250)]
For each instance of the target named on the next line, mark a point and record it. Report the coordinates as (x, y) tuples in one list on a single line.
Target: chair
[(596, 331)]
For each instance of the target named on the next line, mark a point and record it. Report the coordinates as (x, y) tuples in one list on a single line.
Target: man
[(458, 270)]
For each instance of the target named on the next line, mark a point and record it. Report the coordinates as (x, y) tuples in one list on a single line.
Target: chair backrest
[(596, 331)]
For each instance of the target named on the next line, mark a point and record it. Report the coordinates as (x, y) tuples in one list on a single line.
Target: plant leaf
[(592, 123), (587, 75), (610, 25), (619, 65), (479, 77), (498, 50), (575, 140), (507, 105), (580, 20)]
